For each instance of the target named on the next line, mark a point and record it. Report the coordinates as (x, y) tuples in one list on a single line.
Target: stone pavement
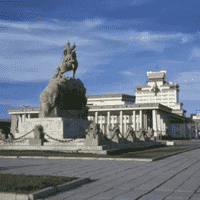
[(173, 178)]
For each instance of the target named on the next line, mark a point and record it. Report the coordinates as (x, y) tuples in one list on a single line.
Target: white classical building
[(158, 90), (155, 105)]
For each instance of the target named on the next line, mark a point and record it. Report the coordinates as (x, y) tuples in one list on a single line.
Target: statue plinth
[(58, 127)]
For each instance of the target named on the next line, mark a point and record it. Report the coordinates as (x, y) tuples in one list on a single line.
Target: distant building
[(196, 126), (155, 105), (158, 90)]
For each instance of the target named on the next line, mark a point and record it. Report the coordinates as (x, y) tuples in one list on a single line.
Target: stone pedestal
[(58, 128), (92, 141), (116, 139), (130, 138), (36, 142)]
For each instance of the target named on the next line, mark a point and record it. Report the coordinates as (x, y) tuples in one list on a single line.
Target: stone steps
[(56, 147), (75, 145)]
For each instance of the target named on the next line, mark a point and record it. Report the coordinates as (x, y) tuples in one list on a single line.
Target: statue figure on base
[(64, 96), (69, 61)]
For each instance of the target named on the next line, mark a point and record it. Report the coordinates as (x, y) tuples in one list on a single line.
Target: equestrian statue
[(69, 62)]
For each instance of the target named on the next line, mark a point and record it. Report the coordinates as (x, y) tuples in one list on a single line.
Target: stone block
[(58, 128), (115, 139), (130, 138), (170, 143), (154, 139), (92, 141), (35, 142)]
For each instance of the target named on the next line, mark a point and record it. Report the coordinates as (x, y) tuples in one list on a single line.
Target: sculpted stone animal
[(92, 130), (38, 132), (2, 134), (141, 134), (130, 132), (115, 131), (150, 133)]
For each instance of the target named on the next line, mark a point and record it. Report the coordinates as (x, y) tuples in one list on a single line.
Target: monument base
[(36, 142), (58, 128)]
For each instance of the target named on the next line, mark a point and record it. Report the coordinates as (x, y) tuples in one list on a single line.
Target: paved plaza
[(173, 178)]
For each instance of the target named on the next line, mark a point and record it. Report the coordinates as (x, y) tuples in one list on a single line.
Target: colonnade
[(20, 119), (158, 121)]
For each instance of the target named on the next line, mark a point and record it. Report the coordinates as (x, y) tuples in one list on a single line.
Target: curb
[(44, 192), (81, 158), (168, 155), (93, 158)]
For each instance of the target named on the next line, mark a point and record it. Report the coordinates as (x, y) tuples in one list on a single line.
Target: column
[(145, 120), (155, 122), (163, 126), (125, 116), (19, 123), (100, 122), (96, 117), (195, 130), (113, 121), (108, 120), (13, 124), (121, 121), (134, 120), (23, 118), (29, 116), (140, 119), (158, 124), (167, 122)]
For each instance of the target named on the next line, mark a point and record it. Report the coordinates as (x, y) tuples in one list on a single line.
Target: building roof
[(153, 75), (110, 95)]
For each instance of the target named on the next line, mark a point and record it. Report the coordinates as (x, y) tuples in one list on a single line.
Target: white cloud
[(126, 73), (48, 40), (53, 24), (145, 36), (19, 103), (173, 61), (195, 53), (92, 23), (187, 77)]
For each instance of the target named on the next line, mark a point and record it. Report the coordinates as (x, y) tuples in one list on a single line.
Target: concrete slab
[(106, 175), (115, 192), (155, 195), (195, 197), (133, 194), (180, 195)]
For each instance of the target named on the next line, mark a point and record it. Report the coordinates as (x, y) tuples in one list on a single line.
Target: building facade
[(155, 105)]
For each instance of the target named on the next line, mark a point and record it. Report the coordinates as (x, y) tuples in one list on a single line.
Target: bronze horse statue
[(69, 61)]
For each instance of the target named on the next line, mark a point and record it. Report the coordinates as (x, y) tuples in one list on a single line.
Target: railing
[(13, 140)]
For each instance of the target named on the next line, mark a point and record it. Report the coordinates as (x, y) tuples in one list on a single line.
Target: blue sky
[(117, 43)]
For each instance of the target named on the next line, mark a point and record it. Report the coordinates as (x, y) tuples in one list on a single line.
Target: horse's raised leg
[(73, 67)]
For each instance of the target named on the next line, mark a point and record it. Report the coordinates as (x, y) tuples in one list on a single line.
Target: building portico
[(139, 116)]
